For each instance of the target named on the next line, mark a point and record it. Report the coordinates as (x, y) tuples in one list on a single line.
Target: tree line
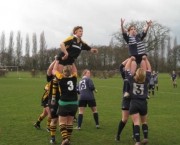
[(163, 52)]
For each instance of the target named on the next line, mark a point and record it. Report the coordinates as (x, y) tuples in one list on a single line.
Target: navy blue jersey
[(156, 77), (173, 76), (152, 80), (135, 43), (125, 81), (86, 88), (122, 71), (138, 90)]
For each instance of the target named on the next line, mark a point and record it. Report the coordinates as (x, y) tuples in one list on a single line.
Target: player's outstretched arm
[(122, 26), (149, 24), (49, 71), (148, 65)]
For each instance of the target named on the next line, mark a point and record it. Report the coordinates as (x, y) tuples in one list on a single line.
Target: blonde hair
[(67, 70), (140, 75), (84, 72)]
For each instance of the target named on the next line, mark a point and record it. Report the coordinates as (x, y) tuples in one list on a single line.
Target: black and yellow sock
[(53, 130), (69, 130), (41, 117), (48, 122), (63, 131)]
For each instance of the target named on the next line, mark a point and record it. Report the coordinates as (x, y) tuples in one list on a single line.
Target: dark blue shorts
[(84, 103), (138, 106), (125, 103)]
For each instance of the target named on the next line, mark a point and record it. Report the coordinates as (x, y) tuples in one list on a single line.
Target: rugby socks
[(48, 122), (96, 118), (69, 130), (120, 127), (41, 117), (63, 130), (137, 133), (157, 88), (133, 131), (145, 130), (80, 119), (153, 92), (53, 130)]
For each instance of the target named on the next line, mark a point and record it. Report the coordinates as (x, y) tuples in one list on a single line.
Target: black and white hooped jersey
[(135, 43)]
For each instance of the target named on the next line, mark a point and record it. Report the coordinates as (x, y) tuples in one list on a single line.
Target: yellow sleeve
[(47, 86), (68, 39), (54, 88), (58, 75)]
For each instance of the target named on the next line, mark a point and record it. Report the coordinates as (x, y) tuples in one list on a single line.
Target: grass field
[(20, 107)]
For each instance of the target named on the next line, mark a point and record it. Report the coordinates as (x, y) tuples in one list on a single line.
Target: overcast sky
[(99, 18)]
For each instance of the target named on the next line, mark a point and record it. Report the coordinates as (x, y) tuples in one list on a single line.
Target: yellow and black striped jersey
[(74, 47)]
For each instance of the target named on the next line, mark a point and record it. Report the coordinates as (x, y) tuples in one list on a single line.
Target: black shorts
[(68, 61), (125, 103), (53, 110), (173, 79), (44, 102), (90, 103), (138, 106), (67, 110), (139, 58), (151, 87), (156, 82)]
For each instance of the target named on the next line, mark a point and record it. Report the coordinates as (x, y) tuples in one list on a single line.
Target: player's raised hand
[(149, 23), (94, 50), (122, 21)]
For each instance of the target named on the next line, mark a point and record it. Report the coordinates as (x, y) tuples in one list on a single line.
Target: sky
[(99, 18)]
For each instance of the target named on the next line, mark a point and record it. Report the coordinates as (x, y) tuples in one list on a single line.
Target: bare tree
[(42, 54), (10, 55), (34, 52), (34, 44), (18, 49), (175, 54), (2, 49), (27, 53), (27, 61)]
